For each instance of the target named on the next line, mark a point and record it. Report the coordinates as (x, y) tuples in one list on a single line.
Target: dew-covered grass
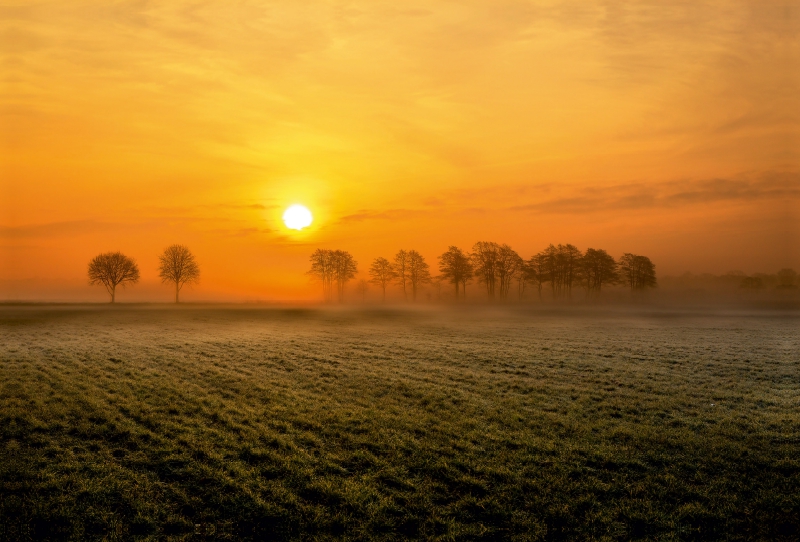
[(236, 423)]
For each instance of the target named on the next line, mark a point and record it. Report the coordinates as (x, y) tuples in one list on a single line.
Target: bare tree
[(535, 271), (570, 258), (547, 261), (381, 272), (559, 265), (508, 265), (345, 269), (456, 268), (177, 265), (638, 272), (522, 279), (598, 268), (484, 260), (418, 272), (112, 269), (333, 268), (401, 270), (322, 269)]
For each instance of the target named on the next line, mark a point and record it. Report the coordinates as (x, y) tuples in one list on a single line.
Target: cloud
[(390, 214), (72, 227), (256, 206), (241, 232), (784, 186)]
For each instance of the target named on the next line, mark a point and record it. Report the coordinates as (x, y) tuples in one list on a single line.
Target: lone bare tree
[(381, 272), (418, 272), (177, 265), (112, 269), (456, 268), (637, 271)]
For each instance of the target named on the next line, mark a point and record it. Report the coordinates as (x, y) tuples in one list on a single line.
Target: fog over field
[(251, 422)]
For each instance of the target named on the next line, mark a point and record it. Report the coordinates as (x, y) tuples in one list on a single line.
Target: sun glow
[(297, 217)]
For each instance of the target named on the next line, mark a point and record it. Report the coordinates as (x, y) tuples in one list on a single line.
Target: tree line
[(498, 268), (177, 265), (785, 280)]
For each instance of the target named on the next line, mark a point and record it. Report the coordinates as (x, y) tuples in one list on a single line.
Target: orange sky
[(630, 126)]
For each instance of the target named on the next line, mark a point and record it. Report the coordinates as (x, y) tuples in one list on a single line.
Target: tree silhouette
[(333, 268), (638, 272), (381, 272), (401, 270), (598, 267), (548, 260), (345, 268), (522, 279), (497, 267), (560, 266), (535, 271), (322, 269), (456, 268), (569, 258), (484, 261), (112, 269), (507, 266), (753, 283), (177, 265), (418, 272)]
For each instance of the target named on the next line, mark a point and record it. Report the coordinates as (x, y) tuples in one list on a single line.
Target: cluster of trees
[(177, 265), (785, 280), (333, 268), (559, 268)]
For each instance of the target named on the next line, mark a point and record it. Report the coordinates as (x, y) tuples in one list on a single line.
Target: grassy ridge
[(231, 424)]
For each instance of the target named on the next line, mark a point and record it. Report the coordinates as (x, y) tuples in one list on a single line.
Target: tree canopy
[(112, 269), (333, 268), (455, 267), (178, 265)]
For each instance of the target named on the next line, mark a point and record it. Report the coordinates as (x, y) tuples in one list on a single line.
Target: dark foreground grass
[(213, 423)]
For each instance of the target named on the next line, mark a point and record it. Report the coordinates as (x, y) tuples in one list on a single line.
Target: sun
[(297, 217)]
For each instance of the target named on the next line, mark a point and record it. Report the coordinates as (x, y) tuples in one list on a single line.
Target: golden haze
[(670, 131)]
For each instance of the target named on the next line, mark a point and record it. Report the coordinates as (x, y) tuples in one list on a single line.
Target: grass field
[(259, 423)]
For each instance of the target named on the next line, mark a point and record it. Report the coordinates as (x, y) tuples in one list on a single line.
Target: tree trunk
[(113, 293), (176, 292)]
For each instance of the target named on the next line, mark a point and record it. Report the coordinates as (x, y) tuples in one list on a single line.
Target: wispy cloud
[(52, 229), (668, 195), (241, 232), (389, 214)]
